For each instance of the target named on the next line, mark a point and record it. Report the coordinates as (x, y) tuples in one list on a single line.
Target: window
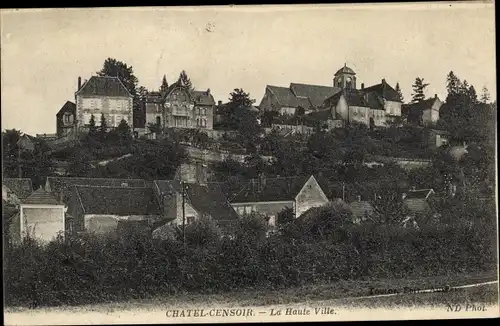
[(158, 121), (204, 111), (189, 219)]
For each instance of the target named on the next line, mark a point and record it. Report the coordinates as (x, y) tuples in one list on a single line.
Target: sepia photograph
[(249, 163)]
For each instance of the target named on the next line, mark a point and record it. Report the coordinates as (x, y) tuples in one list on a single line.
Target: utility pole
[(183, 213), (343, 191)]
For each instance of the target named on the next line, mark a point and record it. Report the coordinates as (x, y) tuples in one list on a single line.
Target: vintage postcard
[(249, 163)]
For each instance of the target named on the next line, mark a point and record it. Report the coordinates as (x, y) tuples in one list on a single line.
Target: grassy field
[(340, 292)]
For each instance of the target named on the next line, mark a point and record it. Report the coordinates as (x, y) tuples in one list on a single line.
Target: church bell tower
[(345, 78)]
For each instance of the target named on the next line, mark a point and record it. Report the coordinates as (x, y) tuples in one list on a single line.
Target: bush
[(93, 269)]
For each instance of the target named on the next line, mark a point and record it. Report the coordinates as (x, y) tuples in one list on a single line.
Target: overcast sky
[(222, 48)]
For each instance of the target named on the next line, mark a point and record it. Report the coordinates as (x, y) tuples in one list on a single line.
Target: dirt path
[(462, 301)]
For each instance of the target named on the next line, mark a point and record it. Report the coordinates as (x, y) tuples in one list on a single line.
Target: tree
[(103, 127), (124, 72), (238, 98), (485, 96), (92, 127), (453, 83), (400, 94), (184, 80), (164, 85), (124, 132), (419, 86)]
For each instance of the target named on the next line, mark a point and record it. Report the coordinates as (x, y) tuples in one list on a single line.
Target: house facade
[(41, 216), (423, 113), (103, 95), (103, 210), (269, 196), (287, 100), (185, 108), (188, 202), (66, 119)]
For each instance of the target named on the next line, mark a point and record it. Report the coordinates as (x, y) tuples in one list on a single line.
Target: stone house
[(154, 110), (269, 196), (105, 209), (286, 100), (185, 108), (198, 201), (41, 216), (66, 119), (103, 95), (423, 113)]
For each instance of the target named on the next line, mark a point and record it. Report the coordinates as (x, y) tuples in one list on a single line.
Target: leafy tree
[(419, 86), (184, 80), (485, 96), (124, 132), (285, 216), (164, 85), (400, 93), (203, 232), (389, 206)]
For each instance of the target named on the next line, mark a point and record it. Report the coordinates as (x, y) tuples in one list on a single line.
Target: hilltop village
[(162, 159)]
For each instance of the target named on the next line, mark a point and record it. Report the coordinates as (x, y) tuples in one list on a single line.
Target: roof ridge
[(106, 186), (87, 178)]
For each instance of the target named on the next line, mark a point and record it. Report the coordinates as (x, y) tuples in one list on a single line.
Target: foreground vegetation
[(328, 250)]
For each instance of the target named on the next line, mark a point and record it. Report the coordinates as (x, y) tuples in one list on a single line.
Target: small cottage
[(269, 196), (106, 209), (41, 216)]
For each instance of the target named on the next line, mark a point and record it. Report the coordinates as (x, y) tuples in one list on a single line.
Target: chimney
[(219, 103), (79, 83), (383, 80), (435, 96), (61, 197), (362, 85), (359, 198), (208, 91)]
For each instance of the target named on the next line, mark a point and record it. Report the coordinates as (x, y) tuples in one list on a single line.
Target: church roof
[(385, 91), (287, 98), (104, 86), (316, 94), (345, 70)]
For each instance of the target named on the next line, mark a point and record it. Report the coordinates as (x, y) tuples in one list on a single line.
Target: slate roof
[(211, 201), (21, 187), (203, 98), (361, 208), (8, 211), (273, 189), (118, 200), (104, 86), (41, 197), (56, 185), (384, 90), (286, 97), (316, 94), (345, 70), (67, 107)]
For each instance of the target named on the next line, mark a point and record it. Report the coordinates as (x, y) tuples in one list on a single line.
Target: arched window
[(348, 83)]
